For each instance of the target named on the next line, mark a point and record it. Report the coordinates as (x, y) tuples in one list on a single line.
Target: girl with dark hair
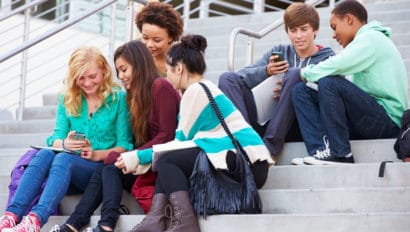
[(153, 105), (185, 68)]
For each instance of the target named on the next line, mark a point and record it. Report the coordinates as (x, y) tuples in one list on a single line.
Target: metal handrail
[(257, 34), (53, 31), (21, 9)]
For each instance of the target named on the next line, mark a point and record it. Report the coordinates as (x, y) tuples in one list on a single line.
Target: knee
[(298, 89), (108, 170), (227, 79), (63, 159), (332, 84), (292, 76), (45, 154)]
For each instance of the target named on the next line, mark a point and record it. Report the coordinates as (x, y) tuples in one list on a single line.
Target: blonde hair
[(80, 61)]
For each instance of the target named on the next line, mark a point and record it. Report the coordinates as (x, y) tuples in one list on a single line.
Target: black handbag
[(223, 192)]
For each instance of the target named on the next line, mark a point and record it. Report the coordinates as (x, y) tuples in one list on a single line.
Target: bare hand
[(73, 145), (276, 67), (277, 89)]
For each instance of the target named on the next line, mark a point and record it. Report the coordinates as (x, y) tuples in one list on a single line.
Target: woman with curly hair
[(160, 25)]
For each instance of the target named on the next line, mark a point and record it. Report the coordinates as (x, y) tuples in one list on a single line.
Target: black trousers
[(175, 168)]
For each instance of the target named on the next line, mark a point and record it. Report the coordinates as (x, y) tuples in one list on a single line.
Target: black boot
[(154, 221), (184, 219)]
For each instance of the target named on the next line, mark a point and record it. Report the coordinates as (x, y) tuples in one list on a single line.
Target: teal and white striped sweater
[(199, 123)]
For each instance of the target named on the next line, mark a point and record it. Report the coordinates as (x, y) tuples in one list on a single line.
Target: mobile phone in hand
[(79, 136), (279, 58)]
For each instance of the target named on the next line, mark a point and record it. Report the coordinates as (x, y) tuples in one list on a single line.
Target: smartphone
[(278, 59), (79, 136)]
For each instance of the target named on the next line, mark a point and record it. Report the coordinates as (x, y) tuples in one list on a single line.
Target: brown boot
[(154, 221), (184, 219)]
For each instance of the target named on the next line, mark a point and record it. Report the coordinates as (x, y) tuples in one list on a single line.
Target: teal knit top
[(108, 127)]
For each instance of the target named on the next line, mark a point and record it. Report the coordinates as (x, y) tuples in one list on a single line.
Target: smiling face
[(156, 39), (124, 70), (302, 37), (91, 80), (343, 29)]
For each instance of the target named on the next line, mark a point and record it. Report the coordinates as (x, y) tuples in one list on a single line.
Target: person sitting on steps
[(368, 107), (301, 25)]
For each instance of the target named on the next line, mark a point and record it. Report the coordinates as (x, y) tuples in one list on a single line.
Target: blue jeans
[(282, 126), (62, 170), (341, 111), (106, 186)]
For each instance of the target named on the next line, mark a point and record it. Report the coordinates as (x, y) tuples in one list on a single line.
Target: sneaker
[(324, 158), (96, 229), (30, 223), (298, 161), (8, 220), (62, 228)]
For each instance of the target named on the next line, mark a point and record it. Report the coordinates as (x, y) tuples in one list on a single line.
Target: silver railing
[(24, 77), (257, 35)]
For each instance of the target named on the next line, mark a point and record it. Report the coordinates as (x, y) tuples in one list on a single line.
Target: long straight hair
[(139, 94)]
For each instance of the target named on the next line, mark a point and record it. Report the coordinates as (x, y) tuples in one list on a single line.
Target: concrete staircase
[(296, 198)]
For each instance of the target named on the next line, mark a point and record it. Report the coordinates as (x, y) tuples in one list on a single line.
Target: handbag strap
[(221, 118)]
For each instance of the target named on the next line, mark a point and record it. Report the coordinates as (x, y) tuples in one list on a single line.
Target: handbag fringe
[(210, 196)]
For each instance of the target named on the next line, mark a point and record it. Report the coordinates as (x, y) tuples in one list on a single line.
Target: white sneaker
[(298, 161)]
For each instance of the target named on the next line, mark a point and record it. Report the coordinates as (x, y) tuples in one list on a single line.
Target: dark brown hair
[(190, 51), (162, 15), (352, 7), (298, 14), (139, 93)]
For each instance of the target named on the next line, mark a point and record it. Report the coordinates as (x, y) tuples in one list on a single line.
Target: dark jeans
[(282, 127), (341, 111), (175, 168), (106, 186)]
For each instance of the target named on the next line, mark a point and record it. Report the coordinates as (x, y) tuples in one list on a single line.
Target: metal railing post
[(249, 51), (187, 9), (130, 21), (111, 44), (331, 4), (204, 9), (23, 76), (259, 6), (5, 6)]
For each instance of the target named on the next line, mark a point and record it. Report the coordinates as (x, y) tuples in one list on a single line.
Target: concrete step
[(28, 126), (361, 175), (341, 222), (40, 112), (340, 200), (23, 140), (364, 151)]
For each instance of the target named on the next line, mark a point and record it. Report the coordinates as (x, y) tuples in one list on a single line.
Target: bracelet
[(63, 144)]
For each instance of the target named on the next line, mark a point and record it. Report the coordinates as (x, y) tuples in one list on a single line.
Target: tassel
[(216, 192)]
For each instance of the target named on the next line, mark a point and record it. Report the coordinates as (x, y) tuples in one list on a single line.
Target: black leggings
[(175, 168)]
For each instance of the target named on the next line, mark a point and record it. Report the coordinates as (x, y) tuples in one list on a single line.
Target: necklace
[(93, 107)]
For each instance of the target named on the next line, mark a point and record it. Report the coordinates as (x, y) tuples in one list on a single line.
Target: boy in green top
[(368, 107)]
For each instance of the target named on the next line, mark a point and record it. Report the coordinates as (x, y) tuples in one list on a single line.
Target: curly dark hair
[(162, 15)]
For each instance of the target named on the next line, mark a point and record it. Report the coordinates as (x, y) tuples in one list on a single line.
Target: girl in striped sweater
[(199, 123)]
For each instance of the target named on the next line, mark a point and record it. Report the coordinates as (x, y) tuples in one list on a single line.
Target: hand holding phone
[(277, 64), (79, 136), (279, 56)]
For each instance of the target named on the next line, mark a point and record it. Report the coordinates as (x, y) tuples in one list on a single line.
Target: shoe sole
[(313, 161)]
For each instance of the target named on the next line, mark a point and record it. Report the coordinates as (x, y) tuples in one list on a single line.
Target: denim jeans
[(341, 111), (282, 126), (62, 170), (106, 185)]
